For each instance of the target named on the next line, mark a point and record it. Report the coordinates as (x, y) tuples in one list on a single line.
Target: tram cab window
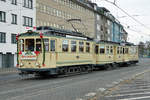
[(65, 45), (73, 46), (38, 45), (96, 49), (52, 45), (102, 49), (22, 44), (87, 47), (46, 43), (29, 45), (81, 46)]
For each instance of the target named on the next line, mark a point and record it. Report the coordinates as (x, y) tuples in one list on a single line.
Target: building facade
[(16, 16), (76, 15)]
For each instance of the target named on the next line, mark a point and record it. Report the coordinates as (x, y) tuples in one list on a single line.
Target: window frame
[(2, 16), (28, 4), (107, 50), (14, 19), (46, 43), (2, 37), (87, 47), (73, 45), (27, 21), (65, 43), (102, 49), (81, 46), (13, 38), (53, 50), (14, 2), (96, 49)]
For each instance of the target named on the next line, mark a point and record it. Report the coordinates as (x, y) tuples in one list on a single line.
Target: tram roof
[(49, 31)]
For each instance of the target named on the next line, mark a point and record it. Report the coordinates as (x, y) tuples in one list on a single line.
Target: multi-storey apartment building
[(107, 27), (76, 15), (15, 17)]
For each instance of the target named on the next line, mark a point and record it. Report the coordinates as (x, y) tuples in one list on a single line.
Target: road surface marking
[(131, 94), (137, 98), (90, 94)]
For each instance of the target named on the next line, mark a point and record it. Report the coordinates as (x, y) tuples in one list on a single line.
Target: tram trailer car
[(59, 52)]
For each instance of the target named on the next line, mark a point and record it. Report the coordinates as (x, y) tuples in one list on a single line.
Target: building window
[(14, 2), (28, 4), (2, 37), (2, 0), (2, 16), (27, 21), (14, 19), (13, 38)]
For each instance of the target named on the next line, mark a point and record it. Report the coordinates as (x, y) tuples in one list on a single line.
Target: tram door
[(53, 52)]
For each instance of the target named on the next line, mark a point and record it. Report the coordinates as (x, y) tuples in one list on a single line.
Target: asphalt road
[(13, 87)]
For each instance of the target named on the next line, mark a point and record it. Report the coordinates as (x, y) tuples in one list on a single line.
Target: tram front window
[(29, 44)]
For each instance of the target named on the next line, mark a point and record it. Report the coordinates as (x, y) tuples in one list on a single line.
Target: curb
[(8, 70)]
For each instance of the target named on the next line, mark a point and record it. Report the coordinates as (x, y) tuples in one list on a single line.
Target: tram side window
[(29, 45), (96, 49), (22, 45), (73, 46), (127, 50), (81, 46), (107, 50), (117, 50), (102, 50), (111, 49), (65, 46), (52, 45), (46, 43), (38, 45), (87, 47), (121, 50)]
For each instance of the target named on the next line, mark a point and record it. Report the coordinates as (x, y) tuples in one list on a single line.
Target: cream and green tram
[(53, 53)]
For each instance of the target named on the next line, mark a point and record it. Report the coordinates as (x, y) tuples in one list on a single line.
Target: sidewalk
[(137, 88), (8, 70)]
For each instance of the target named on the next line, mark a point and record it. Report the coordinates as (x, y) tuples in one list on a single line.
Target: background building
[(16, 16), (64, 14)]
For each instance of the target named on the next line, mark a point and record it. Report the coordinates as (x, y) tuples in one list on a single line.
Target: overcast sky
[(139, 9)]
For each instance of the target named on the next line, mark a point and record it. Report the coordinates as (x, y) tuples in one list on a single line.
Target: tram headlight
[(21, 64), (37, 64)]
